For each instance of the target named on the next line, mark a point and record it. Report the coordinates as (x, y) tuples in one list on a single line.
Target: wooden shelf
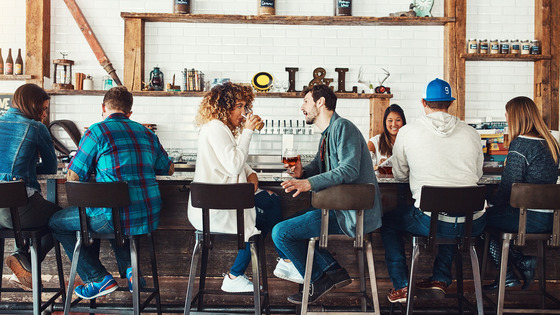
[(286, 19), (15, 77), (201, 94), (504, 57)]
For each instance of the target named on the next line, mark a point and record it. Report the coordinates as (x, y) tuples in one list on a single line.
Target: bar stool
[(108, 195), (225, 197), (454, 201), (14, 195), (359, 197), (528, 196)]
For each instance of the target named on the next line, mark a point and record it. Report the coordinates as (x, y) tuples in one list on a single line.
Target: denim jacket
[(22, 141)]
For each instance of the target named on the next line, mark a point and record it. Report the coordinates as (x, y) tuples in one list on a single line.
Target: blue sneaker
[(94, 290), (129, 279)]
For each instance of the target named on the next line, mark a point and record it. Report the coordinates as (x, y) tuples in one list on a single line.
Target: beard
[(311, 116)]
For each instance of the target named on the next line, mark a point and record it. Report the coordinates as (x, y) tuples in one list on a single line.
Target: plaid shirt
[(119, 149)]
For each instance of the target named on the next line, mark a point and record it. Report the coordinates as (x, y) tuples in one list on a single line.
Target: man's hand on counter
[(72, 176), (299, 185), (171, 169)]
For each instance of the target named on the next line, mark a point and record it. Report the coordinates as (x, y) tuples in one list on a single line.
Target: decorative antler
[(361, 80), (387, 75)]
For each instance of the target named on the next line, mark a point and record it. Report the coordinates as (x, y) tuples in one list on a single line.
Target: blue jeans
[(64, 225), (412, 220), (269, 212), (506, 218), (291, 239)]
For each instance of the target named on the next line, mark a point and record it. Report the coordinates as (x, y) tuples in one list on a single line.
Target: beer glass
[(291, 158)]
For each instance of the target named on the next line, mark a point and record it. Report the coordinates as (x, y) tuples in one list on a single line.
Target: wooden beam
[(377, 108), (455, 43), (542, 88), (38, 40), (134, 53), (555, 65)]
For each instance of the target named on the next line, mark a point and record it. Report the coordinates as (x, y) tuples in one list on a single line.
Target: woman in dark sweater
[(532, 158)]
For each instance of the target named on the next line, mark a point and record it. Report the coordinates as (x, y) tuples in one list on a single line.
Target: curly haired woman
[(223, 147)]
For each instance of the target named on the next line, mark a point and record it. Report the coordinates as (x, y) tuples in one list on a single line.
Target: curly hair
[(220, 101)]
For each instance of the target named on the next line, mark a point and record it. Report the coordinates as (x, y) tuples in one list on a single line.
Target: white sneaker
[(287, 271), (239, 284)]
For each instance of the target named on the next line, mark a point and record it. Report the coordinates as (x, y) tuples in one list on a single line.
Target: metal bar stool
[(528, 196), (357, 197), (225, 197), (108, 195), (459, 202), (14, 195)]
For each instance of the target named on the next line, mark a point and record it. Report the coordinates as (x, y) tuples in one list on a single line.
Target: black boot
[(495, 251), (525, 264)]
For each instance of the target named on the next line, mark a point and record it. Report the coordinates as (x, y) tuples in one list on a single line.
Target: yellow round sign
[(262, 81)]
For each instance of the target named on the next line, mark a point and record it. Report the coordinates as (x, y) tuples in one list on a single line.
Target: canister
[(472, 46), (494, 46), (483, 46), (182, 6), (525, 47), (504, 46), (535, 47), (343, 7), (515, 48), (266, 7)]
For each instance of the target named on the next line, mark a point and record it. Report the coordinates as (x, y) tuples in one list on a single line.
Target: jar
[(525, 47), (483, 46), (494, 46), (88, 83), (343, 7), (535, 47), (182, 6), (472, 46), (267, 7), (504, 46), (514, 47)]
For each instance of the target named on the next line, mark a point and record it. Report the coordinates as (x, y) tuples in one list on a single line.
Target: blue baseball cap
[(438, 90)]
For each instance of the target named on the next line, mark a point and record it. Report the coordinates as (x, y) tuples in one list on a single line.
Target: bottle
[(182, 6), (18, 68), (267, 7), (1, 62), (343, 7), (9, 63)]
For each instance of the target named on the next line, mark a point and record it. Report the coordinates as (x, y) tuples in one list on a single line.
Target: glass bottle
[(182, 6), (18, 67), (343, 7), (9, 67), (267, 7), (1, 62)]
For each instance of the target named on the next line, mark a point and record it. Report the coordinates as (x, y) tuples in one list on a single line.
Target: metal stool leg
[(411, 284), (256, 278), (73, 269), (477, 280), (307, 277), (135, 285), (262, 260), (59, 268), (1, 269), (202, 279), (372, 277), (154, 272), (362, 272), (503, 271), (35, 250), (192, 275), (459, 273)]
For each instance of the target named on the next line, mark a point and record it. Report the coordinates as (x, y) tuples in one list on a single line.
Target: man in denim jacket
[(343, 158)]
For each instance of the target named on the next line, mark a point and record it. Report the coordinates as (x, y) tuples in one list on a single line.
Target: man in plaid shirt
[(116, 149)]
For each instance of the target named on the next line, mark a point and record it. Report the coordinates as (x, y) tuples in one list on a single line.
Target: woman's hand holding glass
[(253, 121)]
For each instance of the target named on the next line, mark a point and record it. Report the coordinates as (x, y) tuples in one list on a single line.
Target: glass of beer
[(248, 113), (291, 158)]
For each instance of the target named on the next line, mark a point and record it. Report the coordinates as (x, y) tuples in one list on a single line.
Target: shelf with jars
[(201, 94), (286, 19), (504, 57)]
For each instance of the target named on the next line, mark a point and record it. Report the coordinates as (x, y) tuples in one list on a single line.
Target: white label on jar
[(344, 3), (267, 3), (182, 2), (483, 46), (515, 47), (526, 47), (495, 47), (472, 46)]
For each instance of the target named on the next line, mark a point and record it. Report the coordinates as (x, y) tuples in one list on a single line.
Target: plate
[(262, 81)]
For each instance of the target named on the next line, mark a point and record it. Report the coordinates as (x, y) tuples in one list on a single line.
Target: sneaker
[(237, 285), (15, 282), (94, 290), (287, 271), (141, 281), (318, 288), (340, 277), (398, 296), (432, 285), (21, 268)]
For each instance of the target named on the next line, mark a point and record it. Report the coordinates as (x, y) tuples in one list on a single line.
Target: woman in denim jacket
[(26, 149)]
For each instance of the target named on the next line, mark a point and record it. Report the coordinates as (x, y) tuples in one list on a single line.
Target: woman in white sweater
[(223, 147), (381, 145)]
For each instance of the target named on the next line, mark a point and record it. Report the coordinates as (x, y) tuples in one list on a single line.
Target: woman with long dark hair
[(532, 158), (26, 149), (381, 145)]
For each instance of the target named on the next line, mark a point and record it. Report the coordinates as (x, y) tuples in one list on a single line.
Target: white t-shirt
[(377, 156), (221, 160)]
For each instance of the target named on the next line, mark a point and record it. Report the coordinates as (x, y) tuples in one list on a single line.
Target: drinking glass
[(248, 113), (291, 158)]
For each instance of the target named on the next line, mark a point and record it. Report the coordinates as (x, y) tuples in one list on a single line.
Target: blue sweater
[(347, 161), (528, 161)]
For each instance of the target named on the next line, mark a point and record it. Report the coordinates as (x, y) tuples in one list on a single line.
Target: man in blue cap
[(441, 150)]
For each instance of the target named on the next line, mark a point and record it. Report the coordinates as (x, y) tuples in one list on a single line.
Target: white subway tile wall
[(412, 54)]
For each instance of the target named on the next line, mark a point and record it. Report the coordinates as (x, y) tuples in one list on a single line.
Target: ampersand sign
[(319, 78)]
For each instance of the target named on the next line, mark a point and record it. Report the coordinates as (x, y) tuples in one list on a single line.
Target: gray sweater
[(528, 161)]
